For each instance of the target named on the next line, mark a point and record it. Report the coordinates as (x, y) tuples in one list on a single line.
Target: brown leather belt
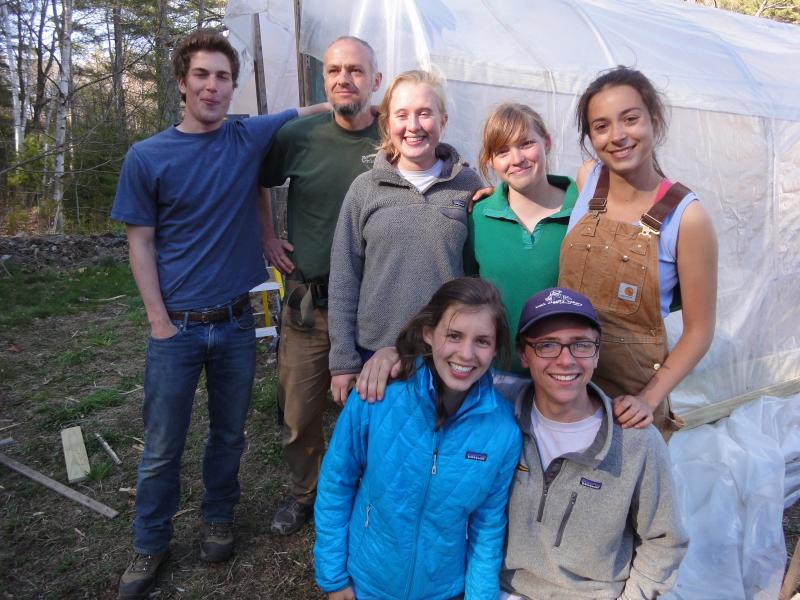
[(223, 313)]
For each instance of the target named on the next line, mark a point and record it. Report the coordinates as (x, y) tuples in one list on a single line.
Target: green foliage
[(60, 414), (30, 296), (99, 472)]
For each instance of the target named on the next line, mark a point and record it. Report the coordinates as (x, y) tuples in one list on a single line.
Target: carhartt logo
[(595, 485), (559, 297), (628, 292), (476, 456)]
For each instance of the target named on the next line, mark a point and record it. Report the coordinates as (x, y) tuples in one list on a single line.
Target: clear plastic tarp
[(732, 83)]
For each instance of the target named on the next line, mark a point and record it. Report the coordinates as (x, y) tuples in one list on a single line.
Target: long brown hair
[(651, 97), (469, 292)]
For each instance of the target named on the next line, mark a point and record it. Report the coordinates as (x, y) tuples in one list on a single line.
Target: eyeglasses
[(579, 349)]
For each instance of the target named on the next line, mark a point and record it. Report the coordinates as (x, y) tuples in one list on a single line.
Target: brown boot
[(139, 578), (217, 542)]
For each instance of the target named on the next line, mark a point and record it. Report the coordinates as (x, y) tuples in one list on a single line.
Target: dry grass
[(86, 370)]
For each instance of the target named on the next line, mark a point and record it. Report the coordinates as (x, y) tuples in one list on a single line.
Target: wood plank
[(96, 506), (792, 580), (75, 454)]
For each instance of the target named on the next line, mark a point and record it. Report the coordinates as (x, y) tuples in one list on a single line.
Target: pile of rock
[(33, 253)]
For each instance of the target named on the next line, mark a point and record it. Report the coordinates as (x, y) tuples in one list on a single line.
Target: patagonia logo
[(595, 485), (368, 160), (459, 203), (628, 292), (476, 456)]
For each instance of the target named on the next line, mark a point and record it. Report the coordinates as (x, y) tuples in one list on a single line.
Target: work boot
[(139, 578), (217, 543), (290, 516)]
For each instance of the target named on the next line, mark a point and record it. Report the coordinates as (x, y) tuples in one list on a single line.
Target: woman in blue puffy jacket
[(413, 490)]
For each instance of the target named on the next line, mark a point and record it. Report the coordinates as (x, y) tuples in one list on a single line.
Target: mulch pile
[(33, 253)]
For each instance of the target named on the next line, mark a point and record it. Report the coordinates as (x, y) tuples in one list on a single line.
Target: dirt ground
[(54, 548), (86, 370)]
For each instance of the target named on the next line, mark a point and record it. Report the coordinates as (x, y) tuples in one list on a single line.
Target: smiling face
[(560, 383), (415, 126), (622, 130), (208, 88), (349, 78), (463, 345), (522, 164)]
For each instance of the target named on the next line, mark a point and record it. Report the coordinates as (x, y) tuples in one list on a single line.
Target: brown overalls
[(615, 265)]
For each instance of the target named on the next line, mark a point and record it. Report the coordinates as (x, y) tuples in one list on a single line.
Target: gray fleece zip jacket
[(598, 524), (393, 248)]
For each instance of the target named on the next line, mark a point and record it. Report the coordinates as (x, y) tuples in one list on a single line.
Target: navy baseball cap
[(556, 301)]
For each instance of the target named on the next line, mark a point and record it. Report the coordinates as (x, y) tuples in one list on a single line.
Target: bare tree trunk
[(119, 66), (65, 76), (11, 57), (43, 63), (168, 96), (201, 13)]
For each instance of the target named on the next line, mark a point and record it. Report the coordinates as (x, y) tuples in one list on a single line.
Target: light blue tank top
[(667, 240)]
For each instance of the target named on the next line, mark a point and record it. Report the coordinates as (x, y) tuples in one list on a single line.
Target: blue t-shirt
[(200, 192)]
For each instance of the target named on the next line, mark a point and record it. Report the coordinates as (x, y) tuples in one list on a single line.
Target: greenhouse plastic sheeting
[(733, 85), (733, 480)]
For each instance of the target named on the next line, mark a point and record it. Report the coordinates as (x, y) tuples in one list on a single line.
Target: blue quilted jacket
[(406, 512)]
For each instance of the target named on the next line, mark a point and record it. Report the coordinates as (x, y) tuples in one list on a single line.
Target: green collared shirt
[(520, 263)]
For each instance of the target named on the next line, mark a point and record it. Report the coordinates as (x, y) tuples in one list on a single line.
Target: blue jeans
[(227, 350)]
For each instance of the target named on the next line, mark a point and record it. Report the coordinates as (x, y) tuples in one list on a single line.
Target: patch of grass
[(99, 472), (36, 295), (58, 415), (102, 338), (265, 395), (73, 358), (271, 451), (67, 562)]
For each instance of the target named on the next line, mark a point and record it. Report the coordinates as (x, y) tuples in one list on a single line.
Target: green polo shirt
[(520, 263), (321, 159)]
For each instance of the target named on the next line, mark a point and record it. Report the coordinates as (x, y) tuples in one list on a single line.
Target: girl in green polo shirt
[(516, 233)]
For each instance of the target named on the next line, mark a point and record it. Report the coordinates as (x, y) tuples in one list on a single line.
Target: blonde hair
[(508, 123), (416, 76)]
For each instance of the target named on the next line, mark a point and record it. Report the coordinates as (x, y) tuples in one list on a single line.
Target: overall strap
[(654, 218), (600, 198)]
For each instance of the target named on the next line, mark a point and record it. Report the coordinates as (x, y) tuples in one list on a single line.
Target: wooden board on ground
[(792, 580), (75, 454), (54, 485)]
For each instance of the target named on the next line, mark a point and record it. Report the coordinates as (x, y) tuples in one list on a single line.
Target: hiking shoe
[(217, 542), (139, 578), (290, 516)]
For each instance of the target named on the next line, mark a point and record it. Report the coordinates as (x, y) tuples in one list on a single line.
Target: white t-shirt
[(422, 180), (555, 439)]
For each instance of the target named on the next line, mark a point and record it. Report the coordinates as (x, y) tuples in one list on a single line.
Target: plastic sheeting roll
[(734, 479)]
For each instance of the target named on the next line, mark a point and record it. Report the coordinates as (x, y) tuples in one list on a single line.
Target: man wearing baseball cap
[(592, 513)]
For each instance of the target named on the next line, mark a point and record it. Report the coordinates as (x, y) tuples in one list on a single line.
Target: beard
[(348, 109)]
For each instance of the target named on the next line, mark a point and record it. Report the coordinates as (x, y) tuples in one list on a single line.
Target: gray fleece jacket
[(393, 248), (598, 524)]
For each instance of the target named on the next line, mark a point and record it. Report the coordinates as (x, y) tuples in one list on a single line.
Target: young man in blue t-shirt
[(189, 199)]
